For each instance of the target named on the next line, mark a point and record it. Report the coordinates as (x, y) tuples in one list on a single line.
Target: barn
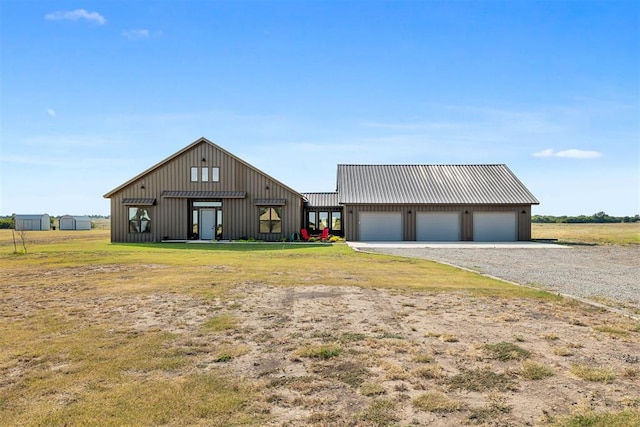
[(74, 222), (32, 222), (434, 203), (203, 192)]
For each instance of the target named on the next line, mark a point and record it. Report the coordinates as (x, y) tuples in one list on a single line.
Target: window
[(270, 220), (215, 174), (139, 220), (336, 221), (205, 174), (323, 220), (311, 221), (194, 174)]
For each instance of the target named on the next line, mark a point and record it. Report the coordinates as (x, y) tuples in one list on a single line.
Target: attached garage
[(438, 226), (495, 227), (380, 226)]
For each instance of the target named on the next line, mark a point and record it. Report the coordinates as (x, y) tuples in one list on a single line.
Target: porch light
[(204, 160)]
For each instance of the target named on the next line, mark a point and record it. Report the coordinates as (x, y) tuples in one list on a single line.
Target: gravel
[(590, 272)]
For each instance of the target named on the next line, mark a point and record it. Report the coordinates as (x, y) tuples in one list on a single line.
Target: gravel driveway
[(612, 272)]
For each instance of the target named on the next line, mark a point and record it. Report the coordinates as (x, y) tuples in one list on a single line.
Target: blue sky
[(94, 92)]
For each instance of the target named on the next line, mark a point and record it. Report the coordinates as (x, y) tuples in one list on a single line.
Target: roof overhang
[(204, 194), (270, 202), (138, 202)]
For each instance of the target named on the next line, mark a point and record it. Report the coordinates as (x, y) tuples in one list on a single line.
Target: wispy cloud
[(568, 154), (75, 15), (51, 112), (136, 34)]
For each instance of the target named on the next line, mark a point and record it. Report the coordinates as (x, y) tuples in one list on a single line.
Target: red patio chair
[(325, 234), (303, 234)]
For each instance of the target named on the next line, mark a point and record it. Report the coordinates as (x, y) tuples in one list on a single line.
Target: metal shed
[(71, 222), (33, 222)]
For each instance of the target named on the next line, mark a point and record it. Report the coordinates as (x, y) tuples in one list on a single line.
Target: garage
[(494, 227), (380, 226), (438, 226)]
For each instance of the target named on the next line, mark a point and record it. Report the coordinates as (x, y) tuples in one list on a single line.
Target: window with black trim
[(270, 220), (139, 219)]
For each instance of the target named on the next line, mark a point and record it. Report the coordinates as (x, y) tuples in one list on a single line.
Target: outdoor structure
[(32, 222), (70, 222), (322, 210), (204, 192), (434, 203)]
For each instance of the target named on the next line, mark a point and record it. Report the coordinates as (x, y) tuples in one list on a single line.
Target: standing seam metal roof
[(324, 200), (432, 184)]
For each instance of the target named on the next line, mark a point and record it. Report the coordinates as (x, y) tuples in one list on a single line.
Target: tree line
[(596, 218)]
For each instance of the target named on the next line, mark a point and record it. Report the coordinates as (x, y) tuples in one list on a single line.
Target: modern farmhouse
[(203, 192)]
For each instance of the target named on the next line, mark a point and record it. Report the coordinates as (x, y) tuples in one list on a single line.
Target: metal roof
[(269, 202), (321, 199), (138, 202), (185, 149), (433, 184), (204, 194)]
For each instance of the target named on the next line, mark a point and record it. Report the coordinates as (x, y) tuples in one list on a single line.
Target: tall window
[(205, 174), (139, 220), (215, 174), (270, 220), (323, 220), (311, 221), (194, 174), (336, 220)]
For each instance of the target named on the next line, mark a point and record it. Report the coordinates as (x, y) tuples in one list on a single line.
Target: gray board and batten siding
[(404, 196), (167, 191)]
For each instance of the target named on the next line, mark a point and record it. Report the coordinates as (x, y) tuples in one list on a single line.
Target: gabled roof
[(433, 184), (324, 200), (187, 148)]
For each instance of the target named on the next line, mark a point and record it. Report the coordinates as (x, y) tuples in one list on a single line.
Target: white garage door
[(494, 226), (380, 226), (438, 226)]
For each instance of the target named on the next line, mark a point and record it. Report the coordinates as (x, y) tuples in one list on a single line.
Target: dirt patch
[(325, 355)]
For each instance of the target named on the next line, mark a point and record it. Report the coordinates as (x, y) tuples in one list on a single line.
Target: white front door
[(207, 224)]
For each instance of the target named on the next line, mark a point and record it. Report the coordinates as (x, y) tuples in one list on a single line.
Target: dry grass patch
[(592, 373), (319, 351), (480, 380), (535, 371), (435, 401), (428, 372), (491, 413), (349, 372), (224, 322), (626, 418), (380, 412), (423, 358), (372, 389), (618, 233), (504, 351)]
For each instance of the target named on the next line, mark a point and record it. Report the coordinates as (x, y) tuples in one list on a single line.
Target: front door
[(207, 224)]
